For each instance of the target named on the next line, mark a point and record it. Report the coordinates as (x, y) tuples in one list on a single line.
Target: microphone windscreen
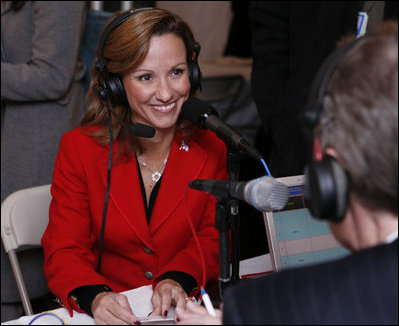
[(141, 130), (196, 111), (267, 194)]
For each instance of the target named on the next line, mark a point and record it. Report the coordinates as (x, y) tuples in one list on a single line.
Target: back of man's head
[(360, 117)]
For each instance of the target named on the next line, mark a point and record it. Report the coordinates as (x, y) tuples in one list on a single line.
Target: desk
[(139, 299)]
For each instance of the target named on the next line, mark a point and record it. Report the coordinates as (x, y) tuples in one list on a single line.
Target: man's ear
[(332, 152)]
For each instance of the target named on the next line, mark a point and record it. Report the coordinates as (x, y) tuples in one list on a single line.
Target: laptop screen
[(294, 236)]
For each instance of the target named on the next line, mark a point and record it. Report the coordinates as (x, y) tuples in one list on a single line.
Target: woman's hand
[(110, 308), (166, 293), (196, 315)]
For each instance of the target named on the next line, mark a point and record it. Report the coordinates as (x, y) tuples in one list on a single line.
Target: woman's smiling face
[(157, 89)]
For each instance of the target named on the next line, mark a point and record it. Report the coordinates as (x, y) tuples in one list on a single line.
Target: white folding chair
[(24, 218)]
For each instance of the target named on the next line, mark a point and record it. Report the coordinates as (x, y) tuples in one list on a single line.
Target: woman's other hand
[(110, 308), (166, 293)]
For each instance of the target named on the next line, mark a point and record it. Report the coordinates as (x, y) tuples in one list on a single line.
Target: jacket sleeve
[(50, 70), (69, 239)]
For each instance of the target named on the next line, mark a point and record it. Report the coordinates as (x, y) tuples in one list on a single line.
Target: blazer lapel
[(182, 167), (125, 193)]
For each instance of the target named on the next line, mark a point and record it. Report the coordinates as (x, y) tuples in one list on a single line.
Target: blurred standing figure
[(290, 39), (42, 97)]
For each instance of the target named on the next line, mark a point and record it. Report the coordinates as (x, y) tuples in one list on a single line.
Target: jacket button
[(148, 275), (148, 250)]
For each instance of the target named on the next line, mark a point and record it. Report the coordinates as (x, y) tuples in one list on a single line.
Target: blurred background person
[(290, 39), (42, 96)]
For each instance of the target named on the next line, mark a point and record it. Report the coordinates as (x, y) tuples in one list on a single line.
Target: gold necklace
[(156, 175)]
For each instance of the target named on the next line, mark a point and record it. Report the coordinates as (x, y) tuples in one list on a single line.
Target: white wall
[(209, 20)]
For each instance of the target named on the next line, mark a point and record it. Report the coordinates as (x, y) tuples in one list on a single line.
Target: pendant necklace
[(156, 175)]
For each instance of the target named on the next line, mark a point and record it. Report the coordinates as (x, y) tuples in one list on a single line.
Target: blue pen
[(207, 302)]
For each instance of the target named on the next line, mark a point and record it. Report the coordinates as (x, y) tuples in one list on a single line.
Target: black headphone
[(112, 87), (326, 182)]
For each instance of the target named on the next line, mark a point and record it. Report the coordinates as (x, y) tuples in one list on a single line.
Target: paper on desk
[(139, 300)]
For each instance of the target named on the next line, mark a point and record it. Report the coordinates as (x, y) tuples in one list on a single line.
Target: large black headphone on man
[(112, 88), (326, 182)]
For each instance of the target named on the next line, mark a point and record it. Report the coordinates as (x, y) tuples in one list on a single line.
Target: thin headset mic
[(101, 245), (137, 129)]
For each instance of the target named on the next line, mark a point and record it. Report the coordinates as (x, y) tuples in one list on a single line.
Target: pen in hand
[(207, 302)]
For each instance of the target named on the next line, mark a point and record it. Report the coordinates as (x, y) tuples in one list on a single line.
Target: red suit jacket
[(132, 247)]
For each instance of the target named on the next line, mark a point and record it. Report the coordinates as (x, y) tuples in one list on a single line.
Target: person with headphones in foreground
[(352, 178), (142, 226)]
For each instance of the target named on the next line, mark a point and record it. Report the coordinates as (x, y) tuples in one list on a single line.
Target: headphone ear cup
[(116, 90), (327, 191), (194, 71), (195, 76), (101, 92)]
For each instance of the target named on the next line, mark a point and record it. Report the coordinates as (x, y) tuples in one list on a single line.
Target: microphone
[(204, 116), (264, 193), (140, 130)]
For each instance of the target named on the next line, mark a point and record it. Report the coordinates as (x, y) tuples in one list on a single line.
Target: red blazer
[(132, 247)]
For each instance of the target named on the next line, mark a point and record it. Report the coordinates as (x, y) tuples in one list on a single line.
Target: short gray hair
[(360, 117)]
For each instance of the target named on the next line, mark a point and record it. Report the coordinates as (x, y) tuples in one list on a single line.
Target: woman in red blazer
[(145, 69)]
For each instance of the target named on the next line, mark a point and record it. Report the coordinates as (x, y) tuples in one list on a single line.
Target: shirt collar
[(392, 237)]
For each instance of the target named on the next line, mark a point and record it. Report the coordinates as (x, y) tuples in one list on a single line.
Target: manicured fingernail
[(177, 319), (165, 313), (149, 313), (137, 322)]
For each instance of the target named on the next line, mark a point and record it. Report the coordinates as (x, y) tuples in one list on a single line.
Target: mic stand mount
[(227, 218), (222, 223), (233, 169)]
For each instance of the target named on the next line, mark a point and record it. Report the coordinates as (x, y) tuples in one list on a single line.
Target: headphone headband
[(314, 106), (112, 88), (326, 182), (114, 24)]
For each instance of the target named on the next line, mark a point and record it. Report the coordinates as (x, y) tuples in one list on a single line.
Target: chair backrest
[(24, 218)]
